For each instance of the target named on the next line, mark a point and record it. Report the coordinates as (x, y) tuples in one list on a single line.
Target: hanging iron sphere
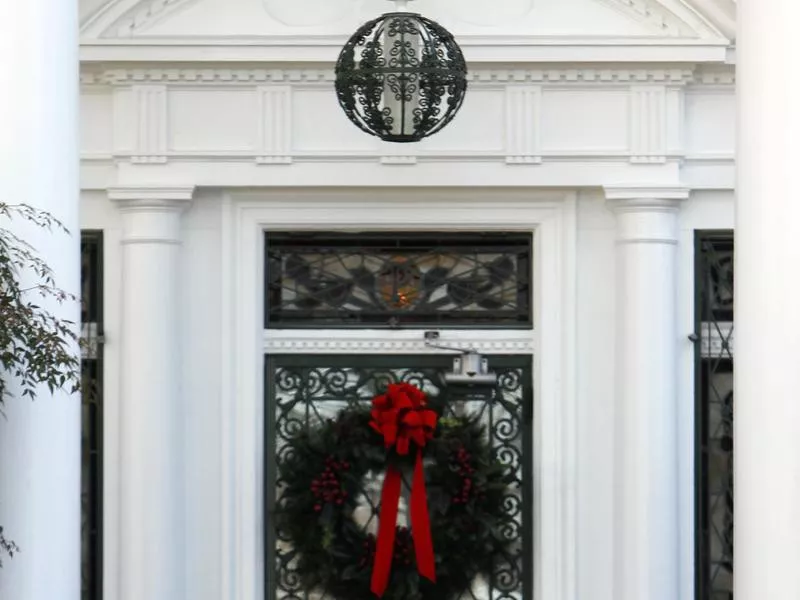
[(401, 77)]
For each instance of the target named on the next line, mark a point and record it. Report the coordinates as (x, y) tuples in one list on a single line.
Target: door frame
[(549, 215)]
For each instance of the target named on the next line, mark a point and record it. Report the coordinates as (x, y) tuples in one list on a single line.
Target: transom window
[(392, 280)]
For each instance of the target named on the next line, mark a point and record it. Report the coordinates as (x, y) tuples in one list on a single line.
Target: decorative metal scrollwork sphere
[(401, 77)]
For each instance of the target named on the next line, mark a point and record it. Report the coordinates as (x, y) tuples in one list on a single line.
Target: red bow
[(401, 417)]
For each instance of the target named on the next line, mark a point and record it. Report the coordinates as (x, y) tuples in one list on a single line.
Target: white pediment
[(227, 19)]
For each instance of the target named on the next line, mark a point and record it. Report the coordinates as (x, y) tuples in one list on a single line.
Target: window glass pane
[(394, 280)]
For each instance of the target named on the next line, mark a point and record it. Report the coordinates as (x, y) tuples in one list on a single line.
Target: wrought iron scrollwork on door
[(300, 389)]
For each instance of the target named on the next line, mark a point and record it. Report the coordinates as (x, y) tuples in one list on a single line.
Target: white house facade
[(594, 153)]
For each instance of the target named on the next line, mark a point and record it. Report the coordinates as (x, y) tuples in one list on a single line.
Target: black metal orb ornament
[(401, 77)]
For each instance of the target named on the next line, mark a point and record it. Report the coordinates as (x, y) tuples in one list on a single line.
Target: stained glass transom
[(398, 279)]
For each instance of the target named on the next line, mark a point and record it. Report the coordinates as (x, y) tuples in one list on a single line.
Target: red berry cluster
[(465, 470), (403, 547), (368, 555), (327, 488)]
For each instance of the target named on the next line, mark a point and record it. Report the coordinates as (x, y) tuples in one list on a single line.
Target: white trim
[(152, 196), (553, 218), (333, 341), (228, 392), (636, 197), (720, 13), (477, 49), (112, 381)]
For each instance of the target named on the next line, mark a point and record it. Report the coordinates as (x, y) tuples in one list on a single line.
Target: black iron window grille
[(92, 415), (394, 280), (714, 415), (302, 388)]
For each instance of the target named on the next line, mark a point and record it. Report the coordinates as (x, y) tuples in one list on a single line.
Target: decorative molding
[(300, 13), (124, 18), (654, 15), (232, 76), (152, 128), (648, 124), (393, 342), (151, 215), (719, 13), (274, 125), (675, 114), (523, 124), (152, 195), (147, 14), (709, 76), (646, 215)]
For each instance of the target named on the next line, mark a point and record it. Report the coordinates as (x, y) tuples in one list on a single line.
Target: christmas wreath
[(455, 508)]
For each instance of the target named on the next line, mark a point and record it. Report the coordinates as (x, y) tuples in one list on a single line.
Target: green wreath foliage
[(323, 474)]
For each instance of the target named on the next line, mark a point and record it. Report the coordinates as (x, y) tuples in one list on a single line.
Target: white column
[(767, 329), (646, 544), (151, 485), (40, 441)]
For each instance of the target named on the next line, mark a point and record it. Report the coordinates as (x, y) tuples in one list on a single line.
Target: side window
[(714, 415), (92, 419)]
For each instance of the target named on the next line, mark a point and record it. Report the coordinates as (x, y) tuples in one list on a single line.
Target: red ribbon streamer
[(400, 417)]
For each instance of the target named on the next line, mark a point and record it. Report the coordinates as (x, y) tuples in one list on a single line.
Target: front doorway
[(337, 287)]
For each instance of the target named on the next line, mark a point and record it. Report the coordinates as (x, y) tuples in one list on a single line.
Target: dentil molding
[(393, 342), (232, 76)]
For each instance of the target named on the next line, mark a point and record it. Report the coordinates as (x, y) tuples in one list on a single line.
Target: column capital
[(643, 198), (151, 215), (156, 198), (646, 215)]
